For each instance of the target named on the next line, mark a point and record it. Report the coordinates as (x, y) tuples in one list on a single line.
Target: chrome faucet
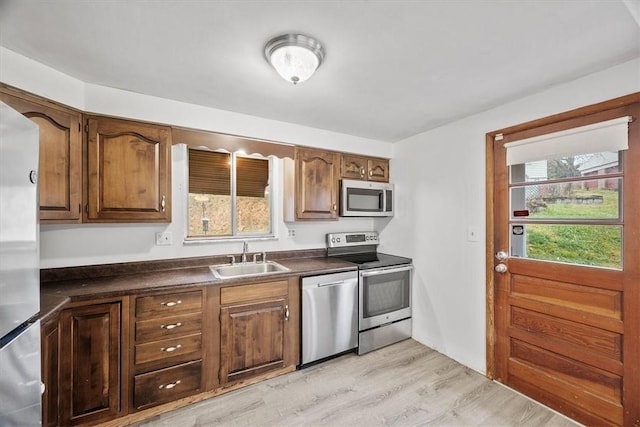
[(262, 254), (245, 249)]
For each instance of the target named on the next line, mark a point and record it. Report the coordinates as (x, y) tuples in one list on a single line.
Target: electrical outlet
[(164, 238), (291, 233)]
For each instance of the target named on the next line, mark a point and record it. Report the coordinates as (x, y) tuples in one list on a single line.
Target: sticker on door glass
[(517, 230), (523, 212)]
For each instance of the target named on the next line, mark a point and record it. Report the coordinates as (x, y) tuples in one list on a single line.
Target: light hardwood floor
[(406, 384)]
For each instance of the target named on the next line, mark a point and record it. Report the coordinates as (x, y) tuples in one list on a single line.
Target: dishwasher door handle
[(341, 282)]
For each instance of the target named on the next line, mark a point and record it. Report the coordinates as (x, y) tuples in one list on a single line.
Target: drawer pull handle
[(169, 386), (163, 204), (286, 312), (171, 325), (172, 348), (170, 303)]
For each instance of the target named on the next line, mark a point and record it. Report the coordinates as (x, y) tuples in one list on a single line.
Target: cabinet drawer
[(180, 349), (168, 304), (166, 385), (168, 327), (246, 293)]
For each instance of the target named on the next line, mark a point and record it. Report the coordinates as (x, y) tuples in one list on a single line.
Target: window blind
[(607, 136), (210, 173)]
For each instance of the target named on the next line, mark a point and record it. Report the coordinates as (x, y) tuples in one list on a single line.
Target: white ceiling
[(392, 69)]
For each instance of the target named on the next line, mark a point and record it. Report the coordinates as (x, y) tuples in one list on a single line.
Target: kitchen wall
[(441, 198), (85, 244), (440, 193)]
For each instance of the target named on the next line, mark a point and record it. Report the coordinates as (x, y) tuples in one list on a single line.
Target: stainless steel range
[(384, 289)]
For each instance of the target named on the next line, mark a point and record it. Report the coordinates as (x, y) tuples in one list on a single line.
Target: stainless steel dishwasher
[(329, 315)]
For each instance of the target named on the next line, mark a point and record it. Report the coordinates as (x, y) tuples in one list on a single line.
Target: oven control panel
[(339, 240)]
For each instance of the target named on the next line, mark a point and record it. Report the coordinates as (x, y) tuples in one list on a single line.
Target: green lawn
[(597, 245)]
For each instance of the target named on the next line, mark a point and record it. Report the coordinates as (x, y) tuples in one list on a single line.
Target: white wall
[(86, 244), (440, 191)]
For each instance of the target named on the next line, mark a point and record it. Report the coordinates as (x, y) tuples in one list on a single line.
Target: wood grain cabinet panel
[(128, 171), (91, 367), (178, 349), (167, 385), (50, 343), (163, 305), (168, 327), (168, 350), (60, 174), (252, 339), (317, 181), (258, 329), (364, 168)]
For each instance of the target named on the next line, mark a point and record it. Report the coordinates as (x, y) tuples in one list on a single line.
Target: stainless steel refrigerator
[(20, 382)]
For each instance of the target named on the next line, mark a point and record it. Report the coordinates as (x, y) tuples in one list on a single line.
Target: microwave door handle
[(368, 273)]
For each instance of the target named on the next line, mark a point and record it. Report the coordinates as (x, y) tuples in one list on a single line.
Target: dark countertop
[(55, 294)]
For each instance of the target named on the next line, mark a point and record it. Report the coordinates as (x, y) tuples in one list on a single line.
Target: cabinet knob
[(170, 349), (171, 326), (286, 312), (170, 303), (163, 203), (170, 385), (362, 171), (371, 172), (334, 207)]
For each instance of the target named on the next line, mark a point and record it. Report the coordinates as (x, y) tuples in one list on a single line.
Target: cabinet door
[(317, 184), (378, 170), (50, 372), (252, 339), (353, 167), (60, 175), (90, 361), (128, 171)]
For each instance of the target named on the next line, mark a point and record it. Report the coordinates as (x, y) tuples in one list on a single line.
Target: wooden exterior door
[(567, 333)]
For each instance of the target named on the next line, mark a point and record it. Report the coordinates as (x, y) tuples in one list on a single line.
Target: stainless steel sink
[(230, 271)]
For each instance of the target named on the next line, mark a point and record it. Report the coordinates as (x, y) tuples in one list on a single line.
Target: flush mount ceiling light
[(294, 56)]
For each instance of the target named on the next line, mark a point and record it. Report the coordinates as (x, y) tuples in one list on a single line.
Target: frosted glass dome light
[(294, 56)]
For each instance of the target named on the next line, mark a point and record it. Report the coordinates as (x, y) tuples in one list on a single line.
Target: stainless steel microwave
[(365, 198)]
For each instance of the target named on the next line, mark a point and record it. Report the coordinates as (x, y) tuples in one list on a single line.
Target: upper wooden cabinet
[(315, 179), (128, 171), (364, 168), (60, 176)]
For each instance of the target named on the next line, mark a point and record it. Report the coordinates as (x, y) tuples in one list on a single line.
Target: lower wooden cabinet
[(167, 347), (255, 330), (166, 385), (50, 348), (91, 375), (111, 358)]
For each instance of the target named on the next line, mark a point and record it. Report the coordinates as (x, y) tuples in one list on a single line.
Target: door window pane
[(568, 209), (591, 164), (593, 245), (593, 199)]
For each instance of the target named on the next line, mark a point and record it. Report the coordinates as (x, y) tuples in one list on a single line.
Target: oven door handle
[(375, 272)]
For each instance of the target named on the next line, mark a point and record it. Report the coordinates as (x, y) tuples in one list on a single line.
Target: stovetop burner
[(360, 249)]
